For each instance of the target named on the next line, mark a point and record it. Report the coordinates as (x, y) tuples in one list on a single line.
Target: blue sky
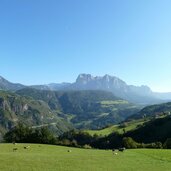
[(44, 41)]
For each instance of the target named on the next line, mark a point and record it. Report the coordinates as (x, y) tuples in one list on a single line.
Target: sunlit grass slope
[(57, 158), (117, 128)]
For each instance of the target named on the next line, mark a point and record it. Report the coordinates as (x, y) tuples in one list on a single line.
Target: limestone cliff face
[(136, 94), (15, 108), (108, 82)]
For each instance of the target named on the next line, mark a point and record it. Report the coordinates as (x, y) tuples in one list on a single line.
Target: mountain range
[(62, 111), (88, 103), (136, 94)]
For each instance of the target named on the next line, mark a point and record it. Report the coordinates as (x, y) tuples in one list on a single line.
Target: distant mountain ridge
[(6, 85), (115, 85), (153, 111), (136, 94)]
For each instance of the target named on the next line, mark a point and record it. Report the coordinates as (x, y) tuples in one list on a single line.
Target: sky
[(45, 41)]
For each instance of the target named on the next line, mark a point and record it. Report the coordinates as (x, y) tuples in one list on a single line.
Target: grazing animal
[(122, 149), (15, 149), (113, 149), (26, 147), (114, 152)]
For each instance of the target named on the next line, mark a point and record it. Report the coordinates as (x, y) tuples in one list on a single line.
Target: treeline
[(24, 134), (155, 130)]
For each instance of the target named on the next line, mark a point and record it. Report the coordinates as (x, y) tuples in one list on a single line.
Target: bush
[(167, 144), (159, 145), (87, 146), (128, 142)]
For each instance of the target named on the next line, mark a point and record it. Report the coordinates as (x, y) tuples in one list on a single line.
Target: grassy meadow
[(116, 128), (57, 158)]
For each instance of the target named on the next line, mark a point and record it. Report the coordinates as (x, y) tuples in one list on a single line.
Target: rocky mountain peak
[(84, 78), (137, 94)]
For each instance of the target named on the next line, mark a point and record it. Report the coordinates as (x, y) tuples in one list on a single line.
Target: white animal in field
[(114, 152)]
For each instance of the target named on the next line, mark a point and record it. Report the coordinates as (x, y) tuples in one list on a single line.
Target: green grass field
[(114, 102), (57, 158), (116, 128)]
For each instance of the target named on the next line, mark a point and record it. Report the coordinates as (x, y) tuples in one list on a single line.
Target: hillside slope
[(153, 111), (156, 130), (15, 108), (6, 85), (85, 109)]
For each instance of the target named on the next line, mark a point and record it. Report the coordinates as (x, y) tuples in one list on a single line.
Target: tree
[(24, 134), (128, 142), (19, 133)]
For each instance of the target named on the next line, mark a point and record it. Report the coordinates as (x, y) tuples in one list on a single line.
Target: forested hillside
[(85, 109), (15, 108)]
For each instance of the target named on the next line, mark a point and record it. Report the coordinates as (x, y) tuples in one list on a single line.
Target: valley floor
[(56, 158)]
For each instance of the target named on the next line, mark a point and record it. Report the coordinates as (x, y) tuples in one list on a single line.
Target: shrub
[(128, 142), (167, 144), (87, 146)]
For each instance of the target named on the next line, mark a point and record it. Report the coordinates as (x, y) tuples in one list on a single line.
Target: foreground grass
[(57, 158)]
